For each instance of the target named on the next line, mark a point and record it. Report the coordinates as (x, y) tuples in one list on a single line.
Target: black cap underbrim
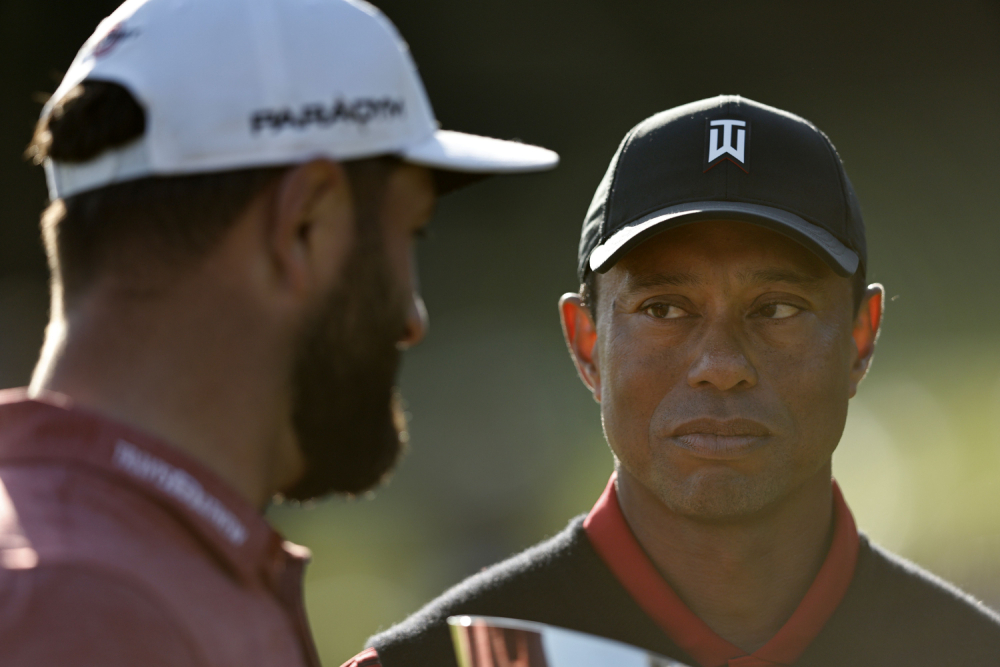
[(840, 258)]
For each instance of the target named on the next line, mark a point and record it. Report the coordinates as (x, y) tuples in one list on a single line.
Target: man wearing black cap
[(723, 324)]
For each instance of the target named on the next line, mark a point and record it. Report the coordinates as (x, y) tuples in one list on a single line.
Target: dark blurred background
[(506, 444)]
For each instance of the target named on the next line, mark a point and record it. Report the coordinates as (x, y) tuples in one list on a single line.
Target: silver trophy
[(485, 641)]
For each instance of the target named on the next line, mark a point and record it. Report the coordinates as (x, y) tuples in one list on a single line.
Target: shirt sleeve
[(58, 616), (367, 658)]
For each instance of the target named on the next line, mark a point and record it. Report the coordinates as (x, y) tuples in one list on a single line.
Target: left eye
[(664, 311), (778, 311)]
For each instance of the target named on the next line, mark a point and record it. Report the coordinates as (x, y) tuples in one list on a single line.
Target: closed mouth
[(720, 439)]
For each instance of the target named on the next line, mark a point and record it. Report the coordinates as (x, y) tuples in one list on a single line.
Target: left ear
[(867, 325)]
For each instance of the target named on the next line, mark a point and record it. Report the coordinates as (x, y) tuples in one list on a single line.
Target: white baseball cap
[(234, 84)]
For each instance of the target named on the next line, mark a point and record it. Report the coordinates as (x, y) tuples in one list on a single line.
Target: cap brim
[(472, 154), (841, 259)]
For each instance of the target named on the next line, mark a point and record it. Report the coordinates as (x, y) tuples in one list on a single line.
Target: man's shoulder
[(97, 614), (501, 584), (911, 588), (561, 581), (62, 576), (540, 583), (70, 536), (899, 613), (65, 514)]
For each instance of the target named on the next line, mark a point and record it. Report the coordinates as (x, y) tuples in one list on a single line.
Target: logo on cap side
[(727, 139), (115, 36), (360, 111)]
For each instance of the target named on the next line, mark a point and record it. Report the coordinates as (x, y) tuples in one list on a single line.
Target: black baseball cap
[(725, 158)]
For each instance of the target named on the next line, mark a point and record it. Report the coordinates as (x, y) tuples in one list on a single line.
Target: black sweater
[(893, 613)]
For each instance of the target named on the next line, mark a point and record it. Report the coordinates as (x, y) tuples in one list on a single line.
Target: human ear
[(867, 325), (580, 333), (311, 226)]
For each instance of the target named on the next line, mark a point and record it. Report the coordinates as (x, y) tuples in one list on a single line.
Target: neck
[(173, 368), (744, 578)]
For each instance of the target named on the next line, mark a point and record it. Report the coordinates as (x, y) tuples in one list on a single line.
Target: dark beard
[(347, 415)]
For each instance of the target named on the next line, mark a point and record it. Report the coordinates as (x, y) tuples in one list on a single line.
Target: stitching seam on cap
[(614, 181), (839, 167)]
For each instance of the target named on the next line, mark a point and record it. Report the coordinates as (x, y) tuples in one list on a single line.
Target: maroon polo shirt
[(614, 542), (118, 550)]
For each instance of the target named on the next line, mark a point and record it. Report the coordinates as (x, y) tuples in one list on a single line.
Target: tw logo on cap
[(727, 139)]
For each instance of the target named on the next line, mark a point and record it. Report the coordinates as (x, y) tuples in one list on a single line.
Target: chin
[(718, 494)]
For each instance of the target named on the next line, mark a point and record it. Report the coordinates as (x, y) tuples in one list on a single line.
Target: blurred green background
[(506, 444)]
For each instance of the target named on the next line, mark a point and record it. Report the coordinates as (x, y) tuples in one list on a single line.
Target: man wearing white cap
[(236, 186)]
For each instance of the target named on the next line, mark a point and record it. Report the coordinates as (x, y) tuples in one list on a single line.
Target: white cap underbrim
[(471, 153), (445, 150)]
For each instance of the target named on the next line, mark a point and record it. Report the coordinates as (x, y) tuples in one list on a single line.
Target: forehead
[(703, 249)]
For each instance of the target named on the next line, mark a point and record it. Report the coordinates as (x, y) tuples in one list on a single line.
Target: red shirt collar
[(51, 429), (617, 546)]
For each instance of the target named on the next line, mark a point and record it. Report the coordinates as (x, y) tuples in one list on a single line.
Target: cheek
[(814, 382), (402, 261), (634, 379)]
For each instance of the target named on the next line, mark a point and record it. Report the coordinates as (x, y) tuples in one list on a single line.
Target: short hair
[(588, 290), (169, 220)]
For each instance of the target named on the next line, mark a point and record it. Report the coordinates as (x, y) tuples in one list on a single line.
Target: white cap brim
[(444, 150), (470, 153)]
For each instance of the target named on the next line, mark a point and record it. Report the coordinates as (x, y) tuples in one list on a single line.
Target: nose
[(721, 360), (416, 323)]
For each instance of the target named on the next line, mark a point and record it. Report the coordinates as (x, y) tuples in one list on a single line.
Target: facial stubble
[(347, 414)]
